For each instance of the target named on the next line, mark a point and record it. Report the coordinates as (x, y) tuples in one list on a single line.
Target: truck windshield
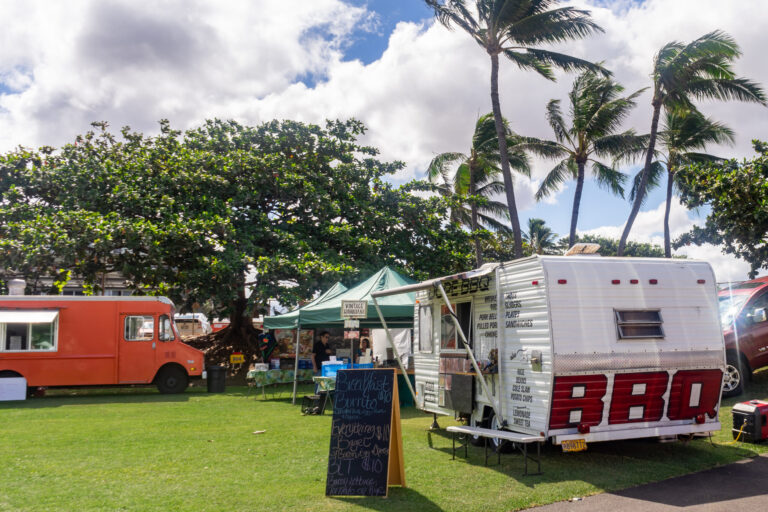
[(729, 307)]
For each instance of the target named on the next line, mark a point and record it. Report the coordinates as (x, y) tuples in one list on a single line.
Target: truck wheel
[(172, 380), (498, 444), (736, 372)]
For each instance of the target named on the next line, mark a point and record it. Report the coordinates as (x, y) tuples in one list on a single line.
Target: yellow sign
[(574, 445), (237, 358)]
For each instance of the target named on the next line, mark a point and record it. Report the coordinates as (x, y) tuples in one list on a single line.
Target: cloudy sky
[(417, 86)]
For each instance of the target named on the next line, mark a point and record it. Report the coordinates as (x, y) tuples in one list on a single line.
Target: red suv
[(743, 309)]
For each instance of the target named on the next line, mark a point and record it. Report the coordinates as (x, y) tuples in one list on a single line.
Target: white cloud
[(70, 63)]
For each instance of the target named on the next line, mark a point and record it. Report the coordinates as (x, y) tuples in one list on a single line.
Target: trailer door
[(138, 345)]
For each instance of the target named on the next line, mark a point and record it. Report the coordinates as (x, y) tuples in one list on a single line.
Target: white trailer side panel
[(526, 351), (426, 361), (584, 309)]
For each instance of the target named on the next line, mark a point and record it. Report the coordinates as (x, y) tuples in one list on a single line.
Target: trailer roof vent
[(583, 248)]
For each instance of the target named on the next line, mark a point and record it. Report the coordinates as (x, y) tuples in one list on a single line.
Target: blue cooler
[(330, 368)]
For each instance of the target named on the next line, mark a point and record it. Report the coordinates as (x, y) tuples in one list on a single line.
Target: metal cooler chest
[(751, 419)]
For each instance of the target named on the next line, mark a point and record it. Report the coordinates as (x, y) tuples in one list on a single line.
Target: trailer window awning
[(426, 285), (28, 317)]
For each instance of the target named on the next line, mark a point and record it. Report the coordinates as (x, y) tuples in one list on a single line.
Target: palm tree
[(683, 133), (540, 238), (700, 69), (476, 175), (514, 28), (597, 111)]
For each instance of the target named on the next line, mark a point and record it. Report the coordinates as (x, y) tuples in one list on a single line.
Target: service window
[(425, 329), (28, 331), (636, 324), (449, 337), (139, 328), (164, 330)]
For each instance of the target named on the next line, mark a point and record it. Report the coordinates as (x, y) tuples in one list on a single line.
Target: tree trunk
[(667, 244), (505, 171), (576, 203), (643, 180), (473, 207)]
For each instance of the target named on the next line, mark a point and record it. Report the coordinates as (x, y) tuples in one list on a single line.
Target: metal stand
[(434, 425)]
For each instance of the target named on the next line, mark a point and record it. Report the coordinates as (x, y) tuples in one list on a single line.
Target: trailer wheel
[(476, 440), (736, 372), (172, 379), (498, 444)]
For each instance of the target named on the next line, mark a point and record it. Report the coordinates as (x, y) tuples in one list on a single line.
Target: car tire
[(172, 380), (737, 371)]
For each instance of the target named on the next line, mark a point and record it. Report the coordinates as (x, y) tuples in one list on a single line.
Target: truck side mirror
[(758, 315)]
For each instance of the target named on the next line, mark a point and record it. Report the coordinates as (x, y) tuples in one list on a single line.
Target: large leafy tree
[(517, 29), (475, 176), (610, 246), (224, 212), (681, 141), (682, 73), (597, 110), (737, 194)]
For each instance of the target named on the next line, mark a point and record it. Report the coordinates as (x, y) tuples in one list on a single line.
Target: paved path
[(738, 487)]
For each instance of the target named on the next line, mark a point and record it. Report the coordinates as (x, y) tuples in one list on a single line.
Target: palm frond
[(551, 26), (564, 62), (655, 176), (739, 89), (622, 147), (528, 62), (556, 121), (609, 178), (556, 177), (439, 167)]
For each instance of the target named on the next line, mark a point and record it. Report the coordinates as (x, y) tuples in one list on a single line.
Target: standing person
[(365, 344), (321, 352)]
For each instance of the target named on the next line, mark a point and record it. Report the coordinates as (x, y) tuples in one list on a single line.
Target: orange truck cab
[(95, 341)]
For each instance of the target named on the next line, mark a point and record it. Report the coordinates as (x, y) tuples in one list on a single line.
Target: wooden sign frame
[(395, 471)]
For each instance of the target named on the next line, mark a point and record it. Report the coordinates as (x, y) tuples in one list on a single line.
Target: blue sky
[(417, 86)]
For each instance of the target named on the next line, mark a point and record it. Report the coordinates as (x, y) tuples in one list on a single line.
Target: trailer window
[(425, 329), (639, 324), (139, 328), (449, 337)]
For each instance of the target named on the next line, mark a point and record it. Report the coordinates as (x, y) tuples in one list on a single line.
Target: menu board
[(366, 453)]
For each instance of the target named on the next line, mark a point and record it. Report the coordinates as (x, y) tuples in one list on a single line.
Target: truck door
[(754, 334), (138, 346)]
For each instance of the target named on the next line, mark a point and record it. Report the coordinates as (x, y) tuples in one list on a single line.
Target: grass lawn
[(134, 449)]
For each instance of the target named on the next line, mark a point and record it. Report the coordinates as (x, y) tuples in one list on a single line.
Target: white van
[(192, 324)]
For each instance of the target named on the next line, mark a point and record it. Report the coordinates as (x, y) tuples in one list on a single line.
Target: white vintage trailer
[(572, 347)]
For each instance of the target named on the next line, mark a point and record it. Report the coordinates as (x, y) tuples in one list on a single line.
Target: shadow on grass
[(409, 498), (631, 462)]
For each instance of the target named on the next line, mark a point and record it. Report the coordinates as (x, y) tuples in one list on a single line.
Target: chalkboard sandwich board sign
[(366, 454)]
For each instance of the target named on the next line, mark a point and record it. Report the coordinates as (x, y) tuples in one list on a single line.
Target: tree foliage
[(610, 247), (737, 193), (223, 212)]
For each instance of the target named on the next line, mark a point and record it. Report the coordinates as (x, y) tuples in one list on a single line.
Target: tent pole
[(296, 365), (394, 350), (463, 338)]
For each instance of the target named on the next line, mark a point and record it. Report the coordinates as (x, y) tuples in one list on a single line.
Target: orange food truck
[(94, 341)]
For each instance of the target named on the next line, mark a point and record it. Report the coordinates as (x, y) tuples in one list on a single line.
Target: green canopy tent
[(293, 319), (396, 310)]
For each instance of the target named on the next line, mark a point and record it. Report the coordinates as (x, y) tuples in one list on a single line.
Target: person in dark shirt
[(321, 352)]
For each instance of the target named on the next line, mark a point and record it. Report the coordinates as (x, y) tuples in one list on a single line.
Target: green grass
[(136, 450)]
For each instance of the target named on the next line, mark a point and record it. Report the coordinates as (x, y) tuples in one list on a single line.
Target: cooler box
[(751, 419), (362, 365), (330, 368)]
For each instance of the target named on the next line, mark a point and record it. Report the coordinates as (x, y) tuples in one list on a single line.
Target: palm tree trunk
[(643, 180), (473, 208), (508, 184), (576, 203), (667, 244)]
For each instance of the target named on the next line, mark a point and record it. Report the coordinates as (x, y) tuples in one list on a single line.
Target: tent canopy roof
[(396, 309)]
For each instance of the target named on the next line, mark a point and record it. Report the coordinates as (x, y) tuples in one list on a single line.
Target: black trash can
[(216, 376)]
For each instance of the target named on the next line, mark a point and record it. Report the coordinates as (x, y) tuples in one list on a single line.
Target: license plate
[(574, 445)]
